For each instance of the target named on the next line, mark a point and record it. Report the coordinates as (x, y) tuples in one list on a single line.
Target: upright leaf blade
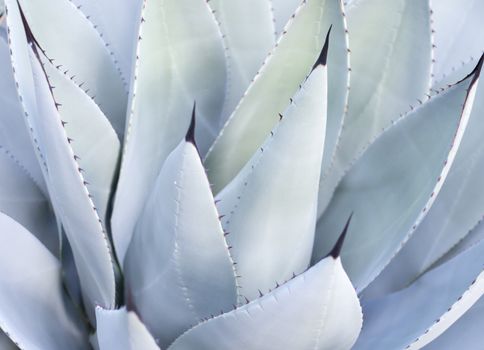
[(66, 35), (117, 22), (258, 111), (390, 70), (269, 209), (248, 31), (13, 131), (177, 268), (173, 69), (66, 184), (93, 140)]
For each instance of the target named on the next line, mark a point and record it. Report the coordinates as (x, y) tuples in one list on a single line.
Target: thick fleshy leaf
[(392, 186), (316, 310), (454, 213), (248, 31), (13, 132), (66, 183), (258, 111), (168, 79), (410, 319), (94, 141), (22, 72), (177, 268), (282, 10), (117, 22), (466, 333), (122, 330), (269, 209), (338, 79), (22, 199), (66, 35), (73, 203), (34, 310), (390, 70), (458, 35)]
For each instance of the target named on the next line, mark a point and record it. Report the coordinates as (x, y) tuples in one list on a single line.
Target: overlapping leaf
[(269, 209), (316, 310), (411, 319), (167, 80), (393, 185), (34, 309), (258, 111), (177, 268), (390, 71)]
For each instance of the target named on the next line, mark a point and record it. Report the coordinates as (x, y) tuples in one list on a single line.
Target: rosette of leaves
[(257, 174)]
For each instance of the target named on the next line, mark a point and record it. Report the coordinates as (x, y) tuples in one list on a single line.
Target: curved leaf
[(122, 330), (248, 32), (22, 200), (282, 11), (66, 183), (93, 140), (66, 35), (466, 333), (117, 22), (458, 34), (394, 183), (33, 307), (13, 132), (177, 268), (269, 209), (390, 70), (167, 80), (258, 111), (456, 210), (316, 310), (411, 319)]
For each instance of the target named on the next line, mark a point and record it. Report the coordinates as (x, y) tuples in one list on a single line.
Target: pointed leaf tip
[(336, 251), (190, 136), (476, 72), (323, 56)]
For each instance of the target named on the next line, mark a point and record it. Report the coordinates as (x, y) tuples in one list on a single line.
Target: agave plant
[(191, 174)]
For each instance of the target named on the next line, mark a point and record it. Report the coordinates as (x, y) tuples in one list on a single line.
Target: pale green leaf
[(269, 209), (390, 70), (177, 268), (392, 186), (248, 31), (314, 311), (174, 68), (277, 81)]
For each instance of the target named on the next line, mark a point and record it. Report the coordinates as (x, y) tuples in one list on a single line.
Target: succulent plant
[(280, 174)]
